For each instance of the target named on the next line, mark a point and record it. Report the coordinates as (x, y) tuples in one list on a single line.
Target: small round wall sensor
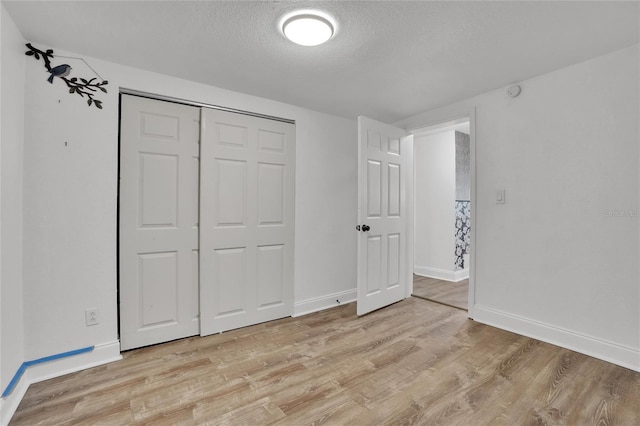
[(513, 90)]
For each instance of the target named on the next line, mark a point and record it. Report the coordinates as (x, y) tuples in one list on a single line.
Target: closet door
[(247, 220), (158, 232)]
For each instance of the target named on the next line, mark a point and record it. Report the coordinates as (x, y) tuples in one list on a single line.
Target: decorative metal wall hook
[(83, 87)]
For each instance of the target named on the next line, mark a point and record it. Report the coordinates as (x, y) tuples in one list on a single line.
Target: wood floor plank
[(451, 293), (415, 362)]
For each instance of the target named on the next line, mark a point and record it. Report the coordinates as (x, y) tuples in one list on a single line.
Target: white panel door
[(382, 215), (158, 232), (247, 220)]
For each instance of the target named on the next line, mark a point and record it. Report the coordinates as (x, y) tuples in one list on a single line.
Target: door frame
[(158, 97), (462, 114)]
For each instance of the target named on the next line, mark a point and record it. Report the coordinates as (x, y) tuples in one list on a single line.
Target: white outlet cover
[(92, 316)]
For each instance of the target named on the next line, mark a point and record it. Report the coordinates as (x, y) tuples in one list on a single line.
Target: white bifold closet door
[(158, 221), (179, 277), (246, 220)]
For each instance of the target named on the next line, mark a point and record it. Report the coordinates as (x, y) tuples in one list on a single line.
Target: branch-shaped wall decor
[(83, 87)]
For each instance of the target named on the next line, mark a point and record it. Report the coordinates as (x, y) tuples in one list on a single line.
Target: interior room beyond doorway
[(442, 202)]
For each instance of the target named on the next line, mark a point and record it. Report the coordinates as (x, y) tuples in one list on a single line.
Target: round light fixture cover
[(307, 29)]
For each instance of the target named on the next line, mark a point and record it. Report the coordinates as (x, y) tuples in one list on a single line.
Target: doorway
[(442, 213), (180, 276)]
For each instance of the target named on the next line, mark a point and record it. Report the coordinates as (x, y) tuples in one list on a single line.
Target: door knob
[(365, 228), (357, 227)]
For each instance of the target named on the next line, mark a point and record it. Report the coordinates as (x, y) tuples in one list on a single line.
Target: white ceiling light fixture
[(308, 28)]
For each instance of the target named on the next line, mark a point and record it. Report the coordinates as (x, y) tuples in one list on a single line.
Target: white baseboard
[(460, 275), (441, 274), (614, 353), (316, 304), (101, 354), (9, 405)]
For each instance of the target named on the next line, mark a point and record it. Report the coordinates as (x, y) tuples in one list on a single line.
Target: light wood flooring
[(415, 362), (455, 294)]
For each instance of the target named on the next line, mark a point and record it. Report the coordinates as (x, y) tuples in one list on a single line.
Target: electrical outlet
[(92, 316)]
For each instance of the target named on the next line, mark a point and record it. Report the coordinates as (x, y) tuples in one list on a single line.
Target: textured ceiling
[(388, 60)]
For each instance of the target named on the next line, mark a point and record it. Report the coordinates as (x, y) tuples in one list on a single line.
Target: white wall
[(11, 143), (435, 189), (556, 262), (70, 201)]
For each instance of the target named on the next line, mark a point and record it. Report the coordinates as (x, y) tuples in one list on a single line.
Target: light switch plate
[(500, 197)]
